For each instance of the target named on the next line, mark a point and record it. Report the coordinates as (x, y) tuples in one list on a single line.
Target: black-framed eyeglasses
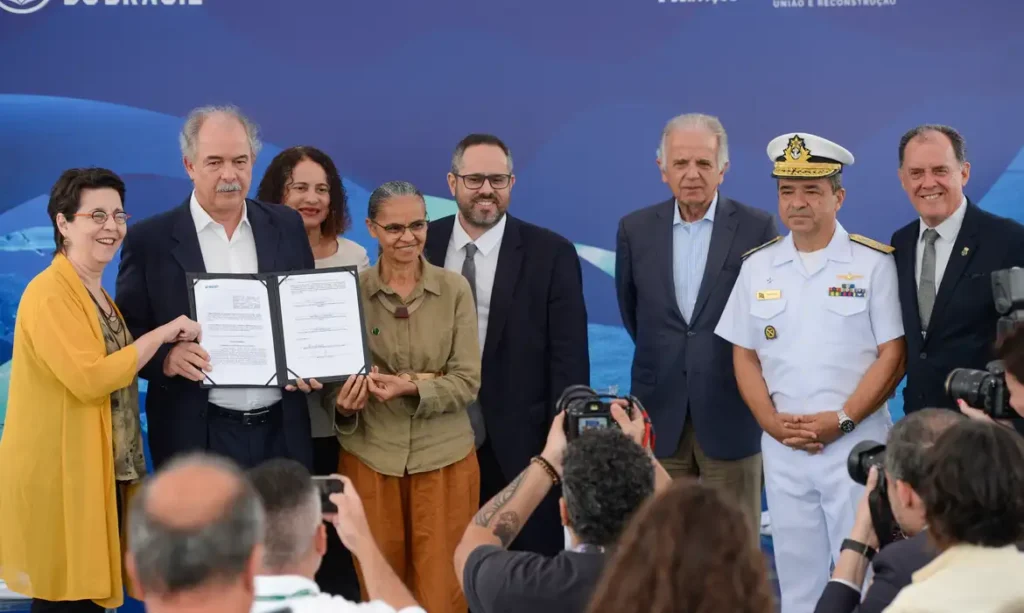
[(397, 229), (100, 217), (476, 181)]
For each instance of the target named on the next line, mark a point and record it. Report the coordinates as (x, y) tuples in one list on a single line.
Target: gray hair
[(170, 559), (190, 131), (389, 190), (959, 145), (696, 121), (291, 502), (911, 437)]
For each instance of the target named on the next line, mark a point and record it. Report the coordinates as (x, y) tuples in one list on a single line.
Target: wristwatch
[(865, 550), (845, 423)]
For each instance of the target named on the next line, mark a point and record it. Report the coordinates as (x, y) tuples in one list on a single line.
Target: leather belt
[(255, 417)]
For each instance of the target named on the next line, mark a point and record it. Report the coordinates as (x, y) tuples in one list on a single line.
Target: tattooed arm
[(500, 520)]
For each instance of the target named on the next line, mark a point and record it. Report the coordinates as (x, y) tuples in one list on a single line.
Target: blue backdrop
[(580, 89)]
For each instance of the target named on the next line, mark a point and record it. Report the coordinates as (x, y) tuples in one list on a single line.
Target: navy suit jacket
[(151, 291), (536, 343), (681, 367), (962, 328)]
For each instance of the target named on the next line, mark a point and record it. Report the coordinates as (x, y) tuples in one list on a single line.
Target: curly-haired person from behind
[(699, 535), (973, 496), (606, 475)]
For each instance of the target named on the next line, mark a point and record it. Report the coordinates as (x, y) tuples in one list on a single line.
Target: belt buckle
[(249, 418)]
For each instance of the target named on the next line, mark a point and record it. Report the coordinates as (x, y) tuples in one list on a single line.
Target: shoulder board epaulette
[(760, 247), (872, 243)]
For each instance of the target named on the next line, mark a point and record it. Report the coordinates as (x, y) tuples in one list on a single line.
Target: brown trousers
[(740, 478), (417, 521)]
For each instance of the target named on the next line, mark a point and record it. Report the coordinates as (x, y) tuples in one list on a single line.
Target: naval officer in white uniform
[(814, 319)]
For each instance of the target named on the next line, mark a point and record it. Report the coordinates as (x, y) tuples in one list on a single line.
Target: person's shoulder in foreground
[(325, 603), (496, 580)]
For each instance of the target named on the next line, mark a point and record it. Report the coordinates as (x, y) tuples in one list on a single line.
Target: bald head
[(195, 523), (193, 493)]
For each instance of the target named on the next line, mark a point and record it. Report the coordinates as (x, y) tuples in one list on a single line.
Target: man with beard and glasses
[(215, 230), (527, 283)]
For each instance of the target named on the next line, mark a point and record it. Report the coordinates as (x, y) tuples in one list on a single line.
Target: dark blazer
[(894, 568), (680, 366), (151, 291), (536, 343), (962, 329)]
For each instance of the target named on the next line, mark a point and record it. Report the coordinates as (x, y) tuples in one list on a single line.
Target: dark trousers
[(542, 533), (67, 606), (337, 575), (247, 440)]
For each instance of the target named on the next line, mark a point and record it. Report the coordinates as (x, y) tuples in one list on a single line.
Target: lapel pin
[(965, 251), (375, 331)]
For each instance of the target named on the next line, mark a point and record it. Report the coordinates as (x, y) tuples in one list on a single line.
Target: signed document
[(267, 330), (238, 331), (321, 325)]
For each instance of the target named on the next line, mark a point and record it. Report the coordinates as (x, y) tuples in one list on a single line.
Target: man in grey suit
[(676, 263)]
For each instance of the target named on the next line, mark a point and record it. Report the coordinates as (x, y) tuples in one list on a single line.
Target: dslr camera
[(863, 456), (982, 389), (986, 389), (585, 410)]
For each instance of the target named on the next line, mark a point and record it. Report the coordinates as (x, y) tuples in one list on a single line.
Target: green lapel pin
[(375, 331)]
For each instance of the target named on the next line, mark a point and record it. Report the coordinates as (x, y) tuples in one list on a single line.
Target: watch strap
[(865, 550)]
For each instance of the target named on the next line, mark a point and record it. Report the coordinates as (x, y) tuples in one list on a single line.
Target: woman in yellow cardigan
[(72, 443)]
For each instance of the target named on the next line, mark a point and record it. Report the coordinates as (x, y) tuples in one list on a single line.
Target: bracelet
[(548, 468)]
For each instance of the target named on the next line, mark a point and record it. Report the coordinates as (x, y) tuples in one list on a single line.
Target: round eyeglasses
[(100, 217)]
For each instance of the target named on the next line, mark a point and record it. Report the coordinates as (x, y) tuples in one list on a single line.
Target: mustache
[(229, 187)]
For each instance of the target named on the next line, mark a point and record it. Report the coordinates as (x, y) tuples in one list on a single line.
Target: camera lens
[(969, 385), (863, 456)]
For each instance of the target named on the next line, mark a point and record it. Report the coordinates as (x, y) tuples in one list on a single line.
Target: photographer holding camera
[(904, 461), (994, 396), (973, 493), (606, 473)]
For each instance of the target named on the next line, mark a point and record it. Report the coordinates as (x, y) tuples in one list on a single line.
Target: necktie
[(469, 267), (476, 415), (926, 289)]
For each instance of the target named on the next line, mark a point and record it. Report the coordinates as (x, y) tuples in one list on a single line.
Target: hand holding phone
[(327, 486)]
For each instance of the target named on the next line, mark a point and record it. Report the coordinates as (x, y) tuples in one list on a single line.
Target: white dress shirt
[(947, 230), (237, 255), (488, 246), (301, 595)]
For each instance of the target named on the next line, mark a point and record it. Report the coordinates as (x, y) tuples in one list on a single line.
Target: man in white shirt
[(216, 230), (945, 261), (296, 540)]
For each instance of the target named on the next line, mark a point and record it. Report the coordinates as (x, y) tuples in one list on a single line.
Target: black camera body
[(585, 410), (982, 389), (863, 456)]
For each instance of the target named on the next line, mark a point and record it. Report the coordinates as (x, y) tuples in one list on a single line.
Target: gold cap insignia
[(797, 163)]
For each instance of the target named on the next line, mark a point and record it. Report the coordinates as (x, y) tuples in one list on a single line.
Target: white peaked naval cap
[(799, 155)]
